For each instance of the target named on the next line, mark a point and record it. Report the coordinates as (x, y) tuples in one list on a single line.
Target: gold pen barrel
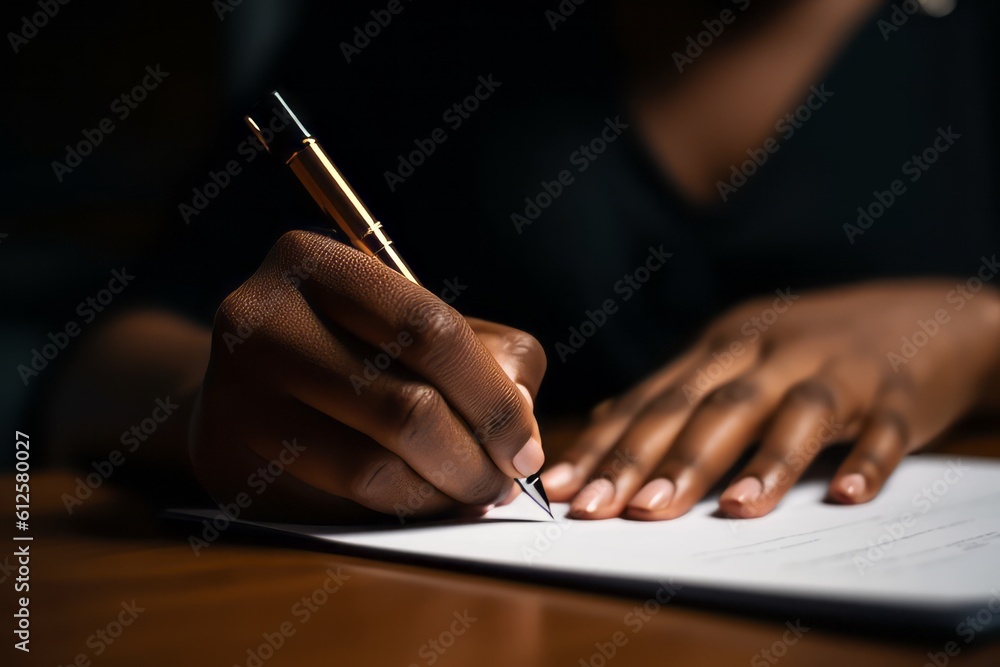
[(335, 196)]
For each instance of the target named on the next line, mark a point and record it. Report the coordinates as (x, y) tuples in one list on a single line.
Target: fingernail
[(852, 486), (558, 475), (656, 495), (745, 492), (595, 495), (529, 460)]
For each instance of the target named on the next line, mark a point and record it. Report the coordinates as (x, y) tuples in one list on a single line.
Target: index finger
[(415, 328), (519, 354)]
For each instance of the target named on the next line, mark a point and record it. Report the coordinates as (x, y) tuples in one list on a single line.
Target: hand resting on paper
[(886, 367)]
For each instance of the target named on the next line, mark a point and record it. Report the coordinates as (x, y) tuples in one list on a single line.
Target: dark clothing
[(549, 93)]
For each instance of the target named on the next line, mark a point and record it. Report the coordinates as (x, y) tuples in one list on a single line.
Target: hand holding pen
[(372, 393)]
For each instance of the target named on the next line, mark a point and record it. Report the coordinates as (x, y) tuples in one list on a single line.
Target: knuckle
[(435, 323), (768, 347), (238, 316), (877, 464), (720, 330), (605, 473), (679, 460), (415, 404), (231, 311), (889, 420), (769, 458), (503, 419), (252, 313), (376, 480), (726, 328), (675, 400), (626, 405), (296, 244), (482, 489), (602, 409), (813, 393), (720, 338), (618, 463), (900, 385), (523, 345), (737, 391)]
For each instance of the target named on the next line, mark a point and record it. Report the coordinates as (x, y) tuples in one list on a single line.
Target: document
[(928, 547)]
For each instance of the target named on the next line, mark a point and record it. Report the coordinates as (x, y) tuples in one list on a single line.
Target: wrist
[(131, 387)]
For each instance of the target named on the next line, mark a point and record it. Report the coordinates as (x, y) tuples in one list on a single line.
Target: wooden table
[(109, 563)]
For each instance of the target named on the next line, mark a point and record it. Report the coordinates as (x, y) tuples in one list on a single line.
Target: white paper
[(931, 539)]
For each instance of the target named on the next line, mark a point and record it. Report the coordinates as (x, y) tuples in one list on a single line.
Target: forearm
[(131, 388), (730, 99)]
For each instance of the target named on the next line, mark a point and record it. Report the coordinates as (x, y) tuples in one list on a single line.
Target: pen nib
[(533, 487)]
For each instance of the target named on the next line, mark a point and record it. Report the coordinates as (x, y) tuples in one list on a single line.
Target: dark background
[(452, 217)]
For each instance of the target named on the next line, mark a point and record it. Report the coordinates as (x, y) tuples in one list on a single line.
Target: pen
[(334, 195)]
